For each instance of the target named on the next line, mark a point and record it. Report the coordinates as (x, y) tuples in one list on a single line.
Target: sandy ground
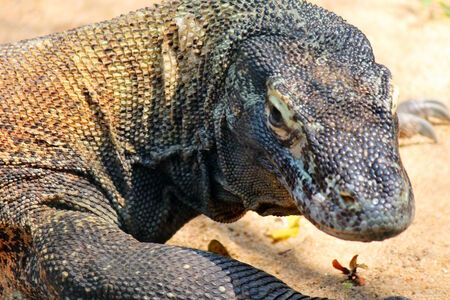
[(415, 264)]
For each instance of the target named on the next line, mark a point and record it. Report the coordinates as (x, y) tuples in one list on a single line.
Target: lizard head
[(312, 131)]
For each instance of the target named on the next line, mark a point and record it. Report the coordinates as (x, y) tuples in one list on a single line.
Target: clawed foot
[(416, 116)]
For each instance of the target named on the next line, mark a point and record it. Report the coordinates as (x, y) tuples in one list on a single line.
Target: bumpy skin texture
[(118, 133)]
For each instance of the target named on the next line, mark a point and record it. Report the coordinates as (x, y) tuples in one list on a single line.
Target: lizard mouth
[(269, 209), (359, 219)]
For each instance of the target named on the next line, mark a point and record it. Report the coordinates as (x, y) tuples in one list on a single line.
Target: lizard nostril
[(347, 198)]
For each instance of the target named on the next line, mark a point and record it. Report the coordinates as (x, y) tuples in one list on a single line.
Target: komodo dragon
[(114, 135)]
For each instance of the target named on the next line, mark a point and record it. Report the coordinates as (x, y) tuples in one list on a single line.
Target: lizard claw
[(414, 117), (425, 109), (410, 125)]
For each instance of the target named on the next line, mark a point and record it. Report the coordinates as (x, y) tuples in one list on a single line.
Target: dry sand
[(415, 264)]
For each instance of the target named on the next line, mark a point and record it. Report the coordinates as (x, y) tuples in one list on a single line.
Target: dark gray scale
[(115, 135)]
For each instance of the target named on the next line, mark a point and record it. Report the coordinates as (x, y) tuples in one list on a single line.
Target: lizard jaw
[(364, 221)]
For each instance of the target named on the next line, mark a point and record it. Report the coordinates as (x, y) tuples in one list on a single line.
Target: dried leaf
[(362, 266), (283, 233), (352, 276), (293, 226), (293, 221), (353, 263), (338, 266), (358, 280), (215, 246)]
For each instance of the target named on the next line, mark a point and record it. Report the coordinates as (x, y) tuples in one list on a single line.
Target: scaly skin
[(112, 136)]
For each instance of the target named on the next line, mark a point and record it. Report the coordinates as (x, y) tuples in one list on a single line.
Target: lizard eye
[(275, 117)]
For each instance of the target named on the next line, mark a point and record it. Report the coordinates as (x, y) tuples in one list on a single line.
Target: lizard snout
[(371, 212)]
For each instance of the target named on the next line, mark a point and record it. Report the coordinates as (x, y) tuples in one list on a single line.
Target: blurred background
[(412, 38)]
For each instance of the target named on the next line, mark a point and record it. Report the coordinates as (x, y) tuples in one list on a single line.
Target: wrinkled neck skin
[(180, 188)]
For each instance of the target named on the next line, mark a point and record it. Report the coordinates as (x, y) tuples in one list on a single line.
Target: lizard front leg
[(73, 247), (83, 256)]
